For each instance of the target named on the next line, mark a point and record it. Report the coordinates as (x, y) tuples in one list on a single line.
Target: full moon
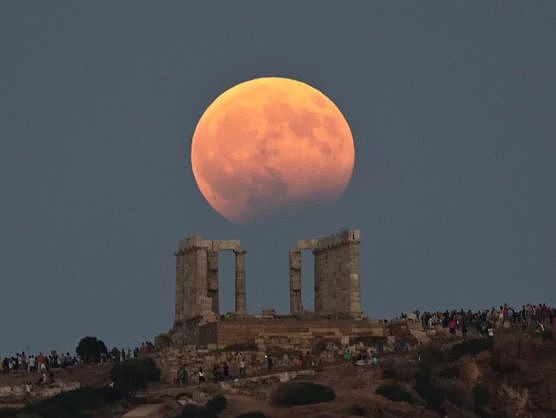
[(270, 143)]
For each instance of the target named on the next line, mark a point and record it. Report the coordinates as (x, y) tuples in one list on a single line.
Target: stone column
[(295, 282), (319, 272), (354, 288), (240, 302), (179, 288), (212, 277)]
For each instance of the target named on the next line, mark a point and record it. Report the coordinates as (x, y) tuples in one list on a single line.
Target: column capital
[(240, 251)]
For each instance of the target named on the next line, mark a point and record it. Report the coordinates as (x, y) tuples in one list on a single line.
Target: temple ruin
[(197, 278), (336, 275), (201, 333)]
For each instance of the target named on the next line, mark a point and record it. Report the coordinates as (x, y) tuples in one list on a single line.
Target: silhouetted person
[(269, 362)]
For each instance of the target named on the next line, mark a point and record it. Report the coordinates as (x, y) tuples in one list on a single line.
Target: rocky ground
[(513, 375)]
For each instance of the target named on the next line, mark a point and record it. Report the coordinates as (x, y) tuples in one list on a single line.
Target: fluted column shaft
[(240, 302)]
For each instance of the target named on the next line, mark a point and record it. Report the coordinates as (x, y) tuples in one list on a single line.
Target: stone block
[(307, 244), (220, 245)]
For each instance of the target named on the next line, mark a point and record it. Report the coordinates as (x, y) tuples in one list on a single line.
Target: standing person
[(226, 370), (269, 362), (178, 376), (201, 374), (347, 355), (184, 376), (452, 326), (242, 367), (215, 373)]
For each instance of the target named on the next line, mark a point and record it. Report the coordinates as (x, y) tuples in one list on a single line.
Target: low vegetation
[(211, 409), (449, 372), (254, 414), (428, 358), (90, 349), (429, 391), (389, 373), (79, 403), (130, 375), (357, 410), (546, 335), (481, 397), (473, 346), (302, 393), (394, 393)]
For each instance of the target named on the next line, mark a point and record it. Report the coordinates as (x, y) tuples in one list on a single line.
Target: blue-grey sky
[(451, 104)]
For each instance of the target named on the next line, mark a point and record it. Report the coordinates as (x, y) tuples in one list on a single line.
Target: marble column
[(354, 288), (179, 288), (295, 282), (240, 302), (212, 277)]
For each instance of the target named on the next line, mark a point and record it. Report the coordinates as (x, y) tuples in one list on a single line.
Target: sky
[(451, 105)]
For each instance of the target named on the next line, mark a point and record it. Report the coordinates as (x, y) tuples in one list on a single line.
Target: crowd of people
[(45, 363), (121, 355), (21, 362), (220, 372), (486, 321)]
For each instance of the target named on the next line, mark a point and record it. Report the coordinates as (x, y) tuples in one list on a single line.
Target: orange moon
[(270, 143)]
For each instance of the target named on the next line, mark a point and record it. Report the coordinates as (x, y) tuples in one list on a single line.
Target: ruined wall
[(285, 338), (222, 334), (197, 288), (337, 290)]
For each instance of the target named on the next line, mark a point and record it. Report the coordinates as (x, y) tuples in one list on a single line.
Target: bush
[(254, 414), (502, 364), (429, 357), (449, 373), (130, 375), (481, 396), (357, 410), (429, 392), (9, 412), (473, 346), (211, 409), (191, 411), (547, 335), (217, 404), (394, 393), (455, 392), (389, 373), (90, 349), (302, 393), (71, 404)]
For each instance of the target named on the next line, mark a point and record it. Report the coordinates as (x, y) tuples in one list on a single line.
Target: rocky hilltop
[(512, 374)]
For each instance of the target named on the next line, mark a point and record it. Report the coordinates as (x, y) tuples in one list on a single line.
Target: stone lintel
[(194, 242), (307, 244), (219, 245)]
